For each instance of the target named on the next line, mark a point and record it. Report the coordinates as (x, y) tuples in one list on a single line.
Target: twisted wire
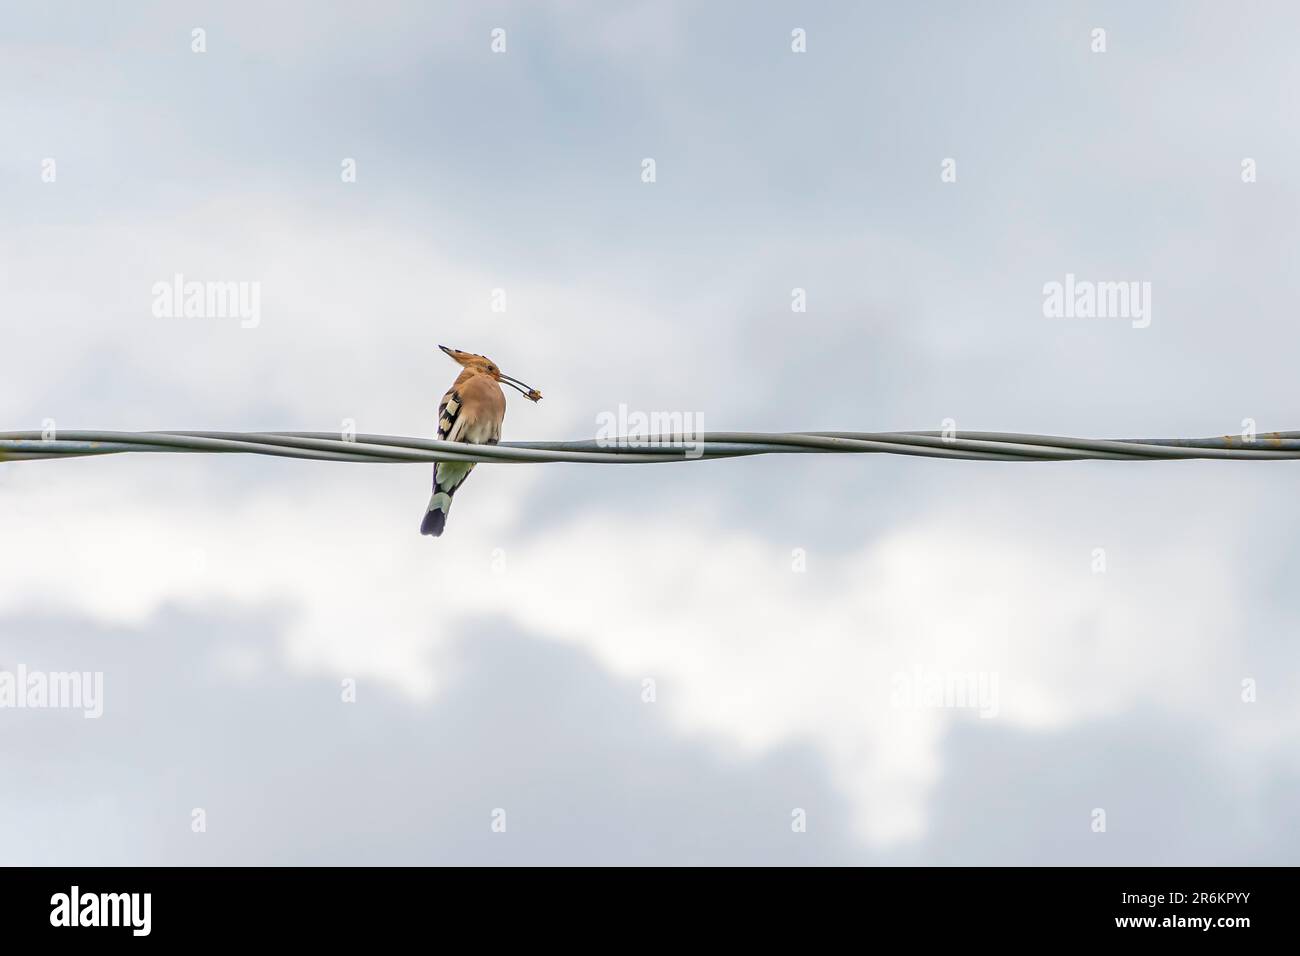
[(333, 446)]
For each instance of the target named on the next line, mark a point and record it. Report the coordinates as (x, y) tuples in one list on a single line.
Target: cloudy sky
[(689, 663)]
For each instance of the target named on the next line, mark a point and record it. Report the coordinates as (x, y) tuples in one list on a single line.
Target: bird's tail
[(448, 476), (435, 518)]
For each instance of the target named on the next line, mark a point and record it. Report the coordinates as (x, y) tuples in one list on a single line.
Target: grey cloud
[(287, 773), (586, 771)]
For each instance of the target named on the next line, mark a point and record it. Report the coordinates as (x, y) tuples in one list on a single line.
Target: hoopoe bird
[(471, 411)]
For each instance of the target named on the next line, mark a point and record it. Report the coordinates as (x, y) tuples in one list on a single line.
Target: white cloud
[(744, 651)]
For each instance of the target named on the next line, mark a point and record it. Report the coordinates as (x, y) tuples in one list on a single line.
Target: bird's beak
[(451, 352), (530, 393)]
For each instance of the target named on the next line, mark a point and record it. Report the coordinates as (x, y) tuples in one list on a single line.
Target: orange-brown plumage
[(472, 411)]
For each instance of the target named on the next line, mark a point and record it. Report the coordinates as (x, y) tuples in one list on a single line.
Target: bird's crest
[(485, 366)]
